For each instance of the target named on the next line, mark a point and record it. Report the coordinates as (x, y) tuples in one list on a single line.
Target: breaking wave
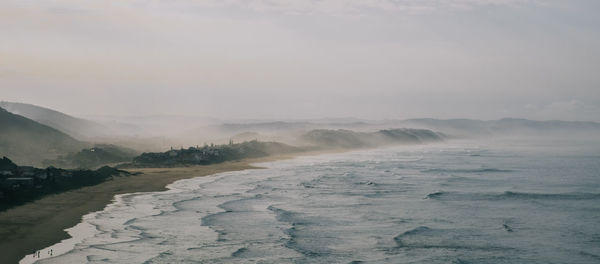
[(508, 195)]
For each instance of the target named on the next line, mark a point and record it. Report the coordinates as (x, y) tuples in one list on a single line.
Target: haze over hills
[(101, 127), (453, 128), (159, 133), (510, 127), (76, 127), (28, 142), (347, 139)]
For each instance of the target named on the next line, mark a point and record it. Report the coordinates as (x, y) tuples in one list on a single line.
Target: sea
[(512, 201)]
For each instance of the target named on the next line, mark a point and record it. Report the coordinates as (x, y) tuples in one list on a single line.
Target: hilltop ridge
[(78, 128), (29, 142)]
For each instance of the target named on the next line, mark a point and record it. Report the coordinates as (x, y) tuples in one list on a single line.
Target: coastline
[(42, 223)]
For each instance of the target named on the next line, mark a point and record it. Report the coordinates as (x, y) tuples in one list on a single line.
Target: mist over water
[(460, 202)]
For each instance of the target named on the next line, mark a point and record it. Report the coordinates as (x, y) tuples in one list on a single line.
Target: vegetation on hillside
[(101, 154), (78, 128), (212, 154), (20, 184), (29, 142)]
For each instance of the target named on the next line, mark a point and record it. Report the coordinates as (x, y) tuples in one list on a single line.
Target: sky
[(283, 59)]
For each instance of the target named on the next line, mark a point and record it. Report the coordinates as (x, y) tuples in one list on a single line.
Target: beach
[(390, 205), (447, 203), (39, 224)]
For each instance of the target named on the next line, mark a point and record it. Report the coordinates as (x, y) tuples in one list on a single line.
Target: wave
[(95, 258), (429, 238), (305, 247), (240, 252), (290, 217), (590, 255), (130, 221), (158, 258), (238, 205), (479, 170), (457, 196), (295, 241), (211, 221)]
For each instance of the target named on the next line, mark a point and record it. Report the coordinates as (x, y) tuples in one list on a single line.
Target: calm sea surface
[(461, 202)]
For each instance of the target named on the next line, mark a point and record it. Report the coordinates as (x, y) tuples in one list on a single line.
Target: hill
[(507, 127), (29, 142), (78, 128)]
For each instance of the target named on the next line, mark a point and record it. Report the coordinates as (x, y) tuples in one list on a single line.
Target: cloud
[(362, 7), (428, 56), (293, 7)]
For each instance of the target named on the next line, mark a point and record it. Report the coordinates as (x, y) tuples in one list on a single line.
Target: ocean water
[(459, 202)]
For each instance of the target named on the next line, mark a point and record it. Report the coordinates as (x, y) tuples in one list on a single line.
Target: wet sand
[(39, 224)]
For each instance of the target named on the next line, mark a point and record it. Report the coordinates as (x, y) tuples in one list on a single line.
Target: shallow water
[(451, 203)]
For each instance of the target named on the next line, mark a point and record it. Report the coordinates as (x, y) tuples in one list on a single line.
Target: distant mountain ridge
[(78, 128), (29, 142), (154, 133), (502, 127), (463, 128)]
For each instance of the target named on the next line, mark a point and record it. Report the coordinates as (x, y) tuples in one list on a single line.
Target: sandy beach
[(41, 223)]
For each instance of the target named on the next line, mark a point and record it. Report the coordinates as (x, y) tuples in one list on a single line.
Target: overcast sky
[(278, 59)]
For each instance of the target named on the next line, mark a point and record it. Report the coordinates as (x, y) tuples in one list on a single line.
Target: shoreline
[(42, 223)]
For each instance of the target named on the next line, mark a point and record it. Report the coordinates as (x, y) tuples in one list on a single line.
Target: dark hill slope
[(28, 142), (76, 127)]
